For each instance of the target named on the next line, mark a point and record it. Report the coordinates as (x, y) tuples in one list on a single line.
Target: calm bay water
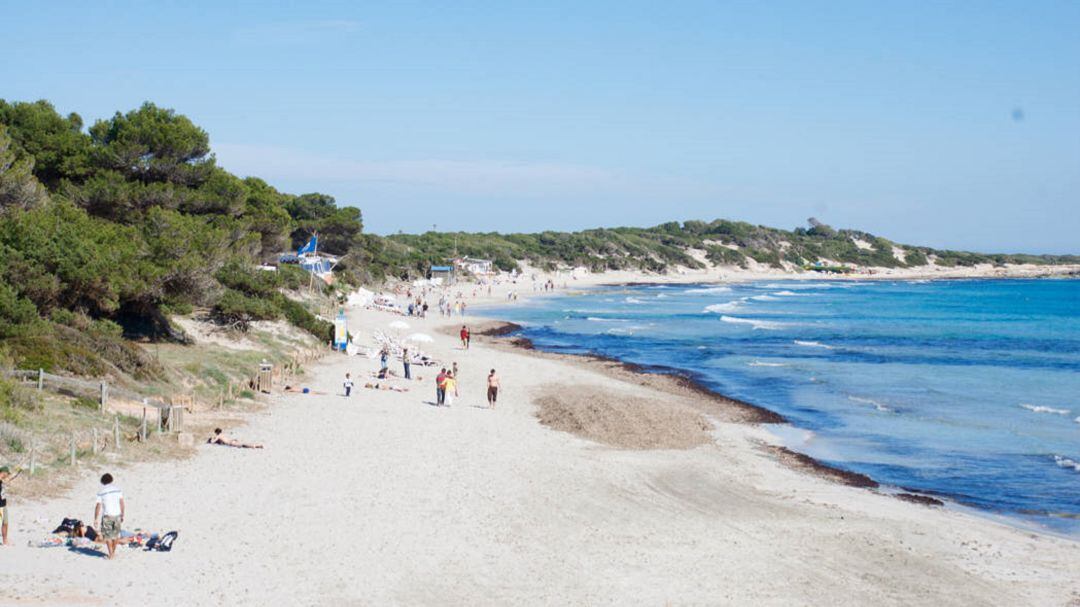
[(965, 389)]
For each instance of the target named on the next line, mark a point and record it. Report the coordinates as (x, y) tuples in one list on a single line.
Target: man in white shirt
[(109, 513)]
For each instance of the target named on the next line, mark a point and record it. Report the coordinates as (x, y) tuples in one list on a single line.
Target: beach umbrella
[(399, 325), (420, 338)]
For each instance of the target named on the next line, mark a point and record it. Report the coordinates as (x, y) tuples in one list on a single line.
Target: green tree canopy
[(19, 189), (154, 144), (57, 144)]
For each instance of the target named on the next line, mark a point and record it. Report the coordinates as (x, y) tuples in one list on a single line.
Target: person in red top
[(465, 336), (440, 388)]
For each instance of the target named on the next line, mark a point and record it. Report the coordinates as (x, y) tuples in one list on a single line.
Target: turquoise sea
[(964, 389)]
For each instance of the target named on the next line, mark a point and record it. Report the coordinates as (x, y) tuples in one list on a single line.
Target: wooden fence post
[(40, 379), (94, 447), (104, 400), (116, 432), (33, 457)]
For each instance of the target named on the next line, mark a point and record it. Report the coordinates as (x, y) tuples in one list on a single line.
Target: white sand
[(384, 499)]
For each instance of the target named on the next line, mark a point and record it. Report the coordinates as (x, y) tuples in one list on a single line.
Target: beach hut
[(442, 274)]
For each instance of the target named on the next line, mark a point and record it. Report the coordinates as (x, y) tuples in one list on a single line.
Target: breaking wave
[(812, 344), (723, 307), (1065, 462), (754, 323), (869, 401), (708, 290), (1042, 409)]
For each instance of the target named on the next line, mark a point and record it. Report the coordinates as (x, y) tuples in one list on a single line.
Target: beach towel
[(53, 541)]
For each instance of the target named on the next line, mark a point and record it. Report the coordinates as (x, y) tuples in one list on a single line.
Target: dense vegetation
[(107, 231)]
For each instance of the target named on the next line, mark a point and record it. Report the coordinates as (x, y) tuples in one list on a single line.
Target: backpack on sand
[(163, 543)]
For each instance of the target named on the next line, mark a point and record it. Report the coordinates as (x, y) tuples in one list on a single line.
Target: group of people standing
[(418, 304), (448, 309), (446, 387)]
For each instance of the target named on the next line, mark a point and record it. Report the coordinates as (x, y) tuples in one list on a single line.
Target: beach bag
[(67, 526), (163, 543)]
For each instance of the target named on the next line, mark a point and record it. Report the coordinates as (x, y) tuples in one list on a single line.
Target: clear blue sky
[(942, 123)]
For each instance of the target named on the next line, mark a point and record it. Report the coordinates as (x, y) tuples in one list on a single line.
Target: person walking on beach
[(465, 335), (493, 388), (5, 477), (406, 363), (348, 385), (109, 513), (450, 389), (440, 387), (384, 359)]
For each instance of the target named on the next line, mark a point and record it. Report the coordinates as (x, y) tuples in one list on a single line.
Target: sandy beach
[(383, 498)]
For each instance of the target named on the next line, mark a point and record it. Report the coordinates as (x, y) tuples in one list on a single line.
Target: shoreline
[(676, 382), (505, 331)]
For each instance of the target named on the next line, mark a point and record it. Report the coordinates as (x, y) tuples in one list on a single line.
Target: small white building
[(474, 266)]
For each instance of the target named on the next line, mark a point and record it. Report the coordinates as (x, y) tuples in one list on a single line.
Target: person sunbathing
[(220, 439), (372, 386), (84, 535), (88, 535), (296, 390)]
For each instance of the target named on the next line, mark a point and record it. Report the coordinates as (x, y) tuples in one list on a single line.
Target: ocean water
[(965, 389)]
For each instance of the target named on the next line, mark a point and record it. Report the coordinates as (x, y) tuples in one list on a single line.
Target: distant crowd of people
[(446, 381), (448, 306)]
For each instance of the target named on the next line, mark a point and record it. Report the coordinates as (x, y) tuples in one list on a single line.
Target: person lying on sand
[(296, 390), (220, 439), (84, 535), (372, 386)]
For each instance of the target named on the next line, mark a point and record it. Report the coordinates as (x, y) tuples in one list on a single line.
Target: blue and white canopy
[(311, 246)]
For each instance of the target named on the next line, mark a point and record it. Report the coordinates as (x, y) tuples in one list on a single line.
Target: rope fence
[(106, 435)]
